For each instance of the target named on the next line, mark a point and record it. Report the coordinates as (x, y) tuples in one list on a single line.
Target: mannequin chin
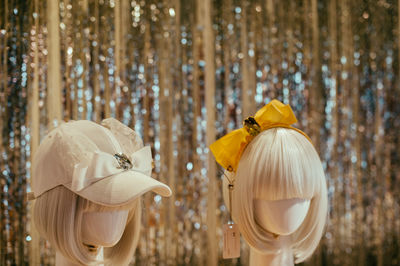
[(103, 229), (280, 217)]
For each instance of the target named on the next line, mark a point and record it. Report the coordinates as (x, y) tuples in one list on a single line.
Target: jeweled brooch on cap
[(123, 161)]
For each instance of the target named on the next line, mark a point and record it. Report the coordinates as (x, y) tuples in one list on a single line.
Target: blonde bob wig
[(279, 164), (58, 218)]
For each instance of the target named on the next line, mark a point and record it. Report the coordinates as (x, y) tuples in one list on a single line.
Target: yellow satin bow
[(228, 149)]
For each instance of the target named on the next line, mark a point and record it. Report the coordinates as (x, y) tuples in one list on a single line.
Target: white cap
[(104, 164)]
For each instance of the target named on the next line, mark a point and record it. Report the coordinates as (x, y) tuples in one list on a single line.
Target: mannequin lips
[(92, 248), (281, 217)]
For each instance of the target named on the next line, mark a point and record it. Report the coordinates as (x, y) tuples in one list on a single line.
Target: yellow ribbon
[(228, 149)]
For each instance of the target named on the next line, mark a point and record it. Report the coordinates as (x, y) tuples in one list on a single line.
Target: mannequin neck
[(283, 257), (63, 261)]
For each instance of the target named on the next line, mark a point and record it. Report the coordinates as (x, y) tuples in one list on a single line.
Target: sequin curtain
[(182, 73)]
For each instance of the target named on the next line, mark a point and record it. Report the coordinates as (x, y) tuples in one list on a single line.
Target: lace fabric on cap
[(74, 148), (128, 139)]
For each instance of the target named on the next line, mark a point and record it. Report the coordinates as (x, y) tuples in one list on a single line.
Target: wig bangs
[(283, 167)]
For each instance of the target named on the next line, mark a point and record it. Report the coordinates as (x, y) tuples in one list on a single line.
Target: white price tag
[(231, 241)]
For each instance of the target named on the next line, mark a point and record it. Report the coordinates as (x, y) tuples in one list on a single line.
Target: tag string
[(230, 187)]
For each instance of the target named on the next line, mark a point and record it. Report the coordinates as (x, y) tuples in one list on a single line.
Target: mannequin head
[(88, 180), (280, 164), (59, 215)]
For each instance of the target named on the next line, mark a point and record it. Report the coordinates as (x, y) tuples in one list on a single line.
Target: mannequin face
[(103, 228), (280, 217)]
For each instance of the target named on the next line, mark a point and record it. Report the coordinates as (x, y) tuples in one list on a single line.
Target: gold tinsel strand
[(182, 73)]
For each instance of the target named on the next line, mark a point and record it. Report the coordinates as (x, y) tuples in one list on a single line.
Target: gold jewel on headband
[(251, 125), (228, 149)]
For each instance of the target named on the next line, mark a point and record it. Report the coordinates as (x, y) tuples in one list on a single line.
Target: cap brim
[(123, 188)]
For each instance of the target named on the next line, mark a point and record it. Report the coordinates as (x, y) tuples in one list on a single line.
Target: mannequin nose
[(281, 217), (103, 228)]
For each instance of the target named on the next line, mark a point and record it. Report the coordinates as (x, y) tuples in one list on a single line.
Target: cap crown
[(73, 143)]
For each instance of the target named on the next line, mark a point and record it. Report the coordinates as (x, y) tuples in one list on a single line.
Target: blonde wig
[(58, 218), (279, 164)]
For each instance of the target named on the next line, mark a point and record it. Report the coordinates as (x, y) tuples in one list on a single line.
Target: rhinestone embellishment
[(251, 125), (123, 161)]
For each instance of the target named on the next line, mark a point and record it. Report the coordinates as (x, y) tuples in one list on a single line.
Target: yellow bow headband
[(228, 149)]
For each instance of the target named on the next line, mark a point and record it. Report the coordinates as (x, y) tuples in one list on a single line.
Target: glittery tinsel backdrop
[(182, 73)]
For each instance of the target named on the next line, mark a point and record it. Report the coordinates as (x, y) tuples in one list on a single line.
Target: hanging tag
[(231, 241)]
